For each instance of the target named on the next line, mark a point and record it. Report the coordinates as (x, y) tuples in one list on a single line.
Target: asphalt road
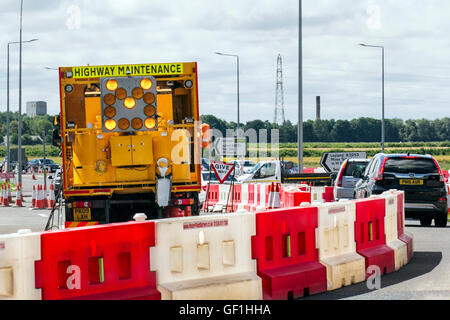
[(426, 276)]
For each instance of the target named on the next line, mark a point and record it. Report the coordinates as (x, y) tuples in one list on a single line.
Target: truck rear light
[(183, 202), (205, 188), (82, 204)]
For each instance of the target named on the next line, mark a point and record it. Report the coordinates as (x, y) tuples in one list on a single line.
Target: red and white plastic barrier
[(270, 254)]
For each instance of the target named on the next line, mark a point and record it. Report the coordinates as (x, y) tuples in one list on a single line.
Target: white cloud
[(346, 76)]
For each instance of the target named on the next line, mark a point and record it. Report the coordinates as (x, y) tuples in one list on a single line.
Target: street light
[(237, 57), (382, 108), (300, 90), (7, 103)]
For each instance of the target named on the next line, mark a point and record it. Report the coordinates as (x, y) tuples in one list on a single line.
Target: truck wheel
[(441, 220), (195, 208), (425, 222)]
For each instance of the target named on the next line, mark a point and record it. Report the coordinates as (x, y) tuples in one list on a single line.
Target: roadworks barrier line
[(390, 220), (271, 254), (336, 243), (18, 253), (206, 258)]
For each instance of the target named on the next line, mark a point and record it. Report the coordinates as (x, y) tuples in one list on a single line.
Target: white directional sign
[(222, 170), (332, 161)]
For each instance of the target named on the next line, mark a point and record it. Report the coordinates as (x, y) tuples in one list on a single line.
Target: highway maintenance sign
[(222, 170), (128, 70), (332, 161)]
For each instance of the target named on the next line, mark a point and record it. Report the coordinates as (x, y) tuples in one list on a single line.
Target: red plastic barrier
[(287, 258), (370, 235), (295, 198), (308, 170), (98, 263), (328, 196), (401, 226), (235, 197), (212, 196), (251, 197)]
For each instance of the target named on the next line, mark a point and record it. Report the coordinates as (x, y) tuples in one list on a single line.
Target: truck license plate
[(411, 182), (82, 214)]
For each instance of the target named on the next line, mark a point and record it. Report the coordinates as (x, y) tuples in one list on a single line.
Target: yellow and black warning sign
[(128, 70)]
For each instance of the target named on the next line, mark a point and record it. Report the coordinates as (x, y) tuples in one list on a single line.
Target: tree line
[(31, 128), (356, 130)]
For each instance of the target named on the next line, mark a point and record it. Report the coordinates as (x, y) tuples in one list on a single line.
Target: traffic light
[(129, 104)]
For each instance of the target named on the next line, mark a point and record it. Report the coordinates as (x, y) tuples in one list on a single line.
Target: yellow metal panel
[(181, 172), (131, 175), (142, 150), (121, 151), (93, 109), (165, 106)]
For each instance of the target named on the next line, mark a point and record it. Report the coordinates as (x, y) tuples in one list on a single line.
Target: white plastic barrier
[(206, 258), (244, 198), (317, 194), (335, 239), (18, 252), (391, 230), (224, 198)]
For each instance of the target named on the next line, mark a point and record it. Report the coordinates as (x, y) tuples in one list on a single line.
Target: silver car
[(345, 182)]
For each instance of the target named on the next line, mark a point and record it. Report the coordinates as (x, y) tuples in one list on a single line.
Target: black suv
[(419, 176)]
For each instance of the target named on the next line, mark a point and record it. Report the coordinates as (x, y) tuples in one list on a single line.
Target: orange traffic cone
[(39, 198), (51, 197), (5, 202), (9, 193), (33, 197), (44, 197), (21, 193), (19, 197)]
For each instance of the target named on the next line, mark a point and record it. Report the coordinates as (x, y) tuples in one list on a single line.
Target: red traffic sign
[(222, 170), (7, 175)]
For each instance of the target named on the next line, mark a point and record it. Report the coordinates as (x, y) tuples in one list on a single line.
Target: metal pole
[(45, 161), (238, 118), (8, 155), (300, 92), (19, 134), (382, 116)]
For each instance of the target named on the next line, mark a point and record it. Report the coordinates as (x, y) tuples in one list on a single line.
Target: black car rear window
[(354, 166), (410, 165)]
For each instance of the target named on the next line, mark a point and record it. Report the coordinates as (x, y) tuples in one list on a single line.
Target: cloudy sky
[(345, 75)]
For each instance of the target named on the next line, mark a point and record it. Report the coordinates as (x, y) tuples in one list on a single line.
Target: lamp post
[(237, 58), (382, 84), (8, 161), (300, 91)]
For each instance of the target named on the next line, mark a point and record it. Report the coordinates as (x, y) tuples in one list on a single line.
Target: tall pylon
[(279, 94)]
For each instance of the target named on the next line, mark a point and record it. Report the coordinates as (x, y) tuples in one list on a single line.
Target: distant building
[(36, 108)]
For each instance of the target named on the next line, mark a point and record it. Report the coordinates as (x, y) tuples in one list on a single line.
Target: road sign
[(222, 170), (332, 161), (7, 175), (230, 147)]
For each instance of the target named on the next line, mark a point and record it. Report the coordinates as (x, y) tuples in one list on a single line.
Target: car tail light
[(341, 174), (443, 199), (379, 176), (441, 174)]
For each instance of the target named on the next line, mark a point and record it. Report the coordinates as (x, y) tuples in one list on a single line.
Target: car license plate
[(411, 182), (82, 214)]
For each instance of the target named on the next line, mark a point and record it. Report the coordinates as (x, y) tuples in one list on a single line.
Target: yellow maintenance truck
[(130, 142)]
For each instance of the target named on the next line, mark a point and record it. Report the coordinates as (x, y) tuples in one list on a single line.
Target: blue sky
[(346, 76)]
